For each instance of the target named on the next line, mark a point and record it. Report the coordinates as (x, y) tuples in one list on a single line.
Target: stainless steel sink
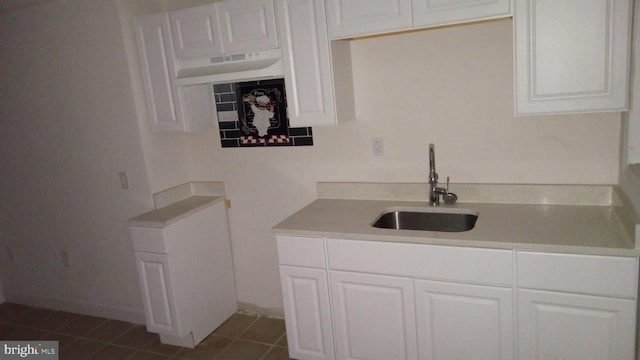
[(427, 219)]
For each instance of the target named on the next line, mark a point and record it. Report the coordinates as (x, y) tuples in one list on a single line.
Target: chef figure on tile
[(263, 112)]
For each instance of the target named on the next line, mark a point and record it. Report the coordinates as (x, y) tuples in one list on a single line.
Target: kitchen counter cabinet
[(391, 300), (538, 275), (373, 316), (382, 303), (183, 256), (450, 314), (576, 306), (305, 293), (556, 325)]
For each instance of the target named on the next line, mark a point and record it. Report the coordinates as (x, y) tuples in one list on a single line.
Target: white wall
[(68, 127), (450, 86)]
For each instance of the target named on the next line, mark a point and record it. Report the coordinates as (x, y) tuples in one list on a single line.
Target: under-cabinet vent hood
[(231, 68)]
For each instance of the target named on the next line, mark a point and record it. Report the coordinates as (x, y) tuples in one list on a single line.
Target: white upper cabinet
[(223, 28), (357, 17), (439, 12), (195, 32), (247, 25), (349, 18), (317, 72), (169, 107), (571, 55)]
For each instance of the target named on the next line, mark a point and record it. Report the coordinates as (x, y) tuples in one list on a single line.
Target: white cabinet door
[(305, 295), (169, 107), (441, 12), (349, 18), (195, 32), (572, 55), (374, 317), (570, 326), (463, 322), (307, 62), (247, 25), (157, 63), (157, 293)]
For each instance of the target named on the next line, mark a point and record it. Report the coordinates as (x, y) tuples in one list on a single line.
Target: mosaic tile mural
[(254, 113)]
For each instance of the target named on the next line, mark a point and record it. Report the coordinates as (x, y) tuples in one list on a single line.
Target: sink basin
[(427, 219)]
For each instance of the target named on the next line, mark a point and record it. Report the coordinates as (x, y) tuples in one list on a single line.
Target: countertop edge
[(564, 249), (173, 212)]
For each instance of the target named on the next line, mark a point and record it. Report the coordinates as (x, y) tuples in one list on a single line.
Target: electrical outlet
[(377, 145), (65, 258), (124, 180)]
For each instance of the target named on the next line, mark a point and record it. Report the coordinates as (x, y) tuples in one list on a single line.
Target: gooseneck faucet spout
[(433, 176), (434, 190)]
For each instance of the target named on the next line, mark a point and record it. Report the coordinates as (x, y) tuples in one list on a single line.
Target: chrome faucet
[(435, 191)]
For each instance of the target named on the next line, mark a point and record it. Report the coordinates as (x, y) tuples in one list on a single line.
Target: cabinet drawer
[(474, 265), (586, 274), (301, 251)]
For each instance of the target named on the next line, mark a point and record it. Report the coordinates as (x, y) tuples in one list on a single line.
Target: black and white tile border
[(233, 131)]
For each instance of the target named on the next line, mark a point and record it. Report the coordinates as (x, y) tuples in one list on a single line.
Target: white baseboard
[(132, 315)]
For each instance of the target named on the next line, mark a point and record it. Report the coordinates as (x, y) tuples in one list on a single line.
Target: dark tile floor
[(242, 337)]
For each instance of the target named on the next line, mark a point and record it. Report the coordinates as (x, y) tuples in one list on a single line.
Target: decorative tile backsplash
[(254, 113)]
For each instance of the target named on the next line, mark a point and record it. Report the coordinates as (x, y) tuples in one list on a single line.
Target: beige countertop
[(568, 228), (175, 211)]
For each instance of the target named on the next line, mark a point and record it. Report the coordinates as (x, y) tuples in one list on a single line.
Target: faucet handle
[(449, 197)]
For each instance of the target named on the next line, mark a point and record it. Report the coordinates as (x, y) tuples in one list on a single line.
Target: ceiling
[(11, 5)]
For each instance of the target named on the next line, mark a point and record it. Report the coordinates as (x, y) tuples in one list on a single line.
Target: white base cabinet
[(463, 321), (372, 300), (306, 311), (373, 316), (186, 275), (556, 325)]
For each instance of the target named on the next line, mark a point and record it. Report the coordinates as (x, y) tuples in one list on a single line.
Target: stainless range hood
[(231, 68)]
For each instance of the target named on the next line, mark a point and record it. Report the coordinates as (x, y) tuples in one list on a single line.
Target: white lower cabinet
[(580, 307), (186, 275), (306, 312), (374, 317), (553, 325), (462, 321), (373, 300), (157, 290)]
